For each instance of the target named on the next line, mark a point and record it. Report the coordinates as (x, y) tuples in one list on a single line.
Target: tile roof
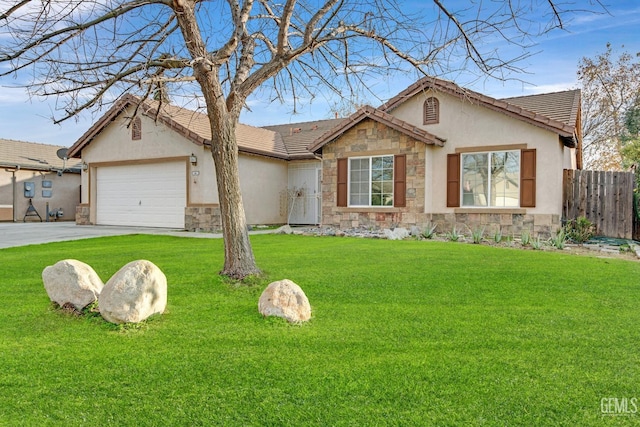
[(561, 106), (298, 136), (192, 125), (558, 112), (34, 156), (368, 112), (514, 107)]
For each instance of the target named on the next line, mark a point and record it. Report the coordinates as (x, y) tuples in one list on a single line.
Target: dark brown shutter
[(453, 180), (528, 178), (400, 180), (343, 171)]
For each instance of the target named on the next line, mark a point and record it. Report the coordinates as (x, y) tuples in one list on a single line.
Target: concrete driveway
[(33, 233)]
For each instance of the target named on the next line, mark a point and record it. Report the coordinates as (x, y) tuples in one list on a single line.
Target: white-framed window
[(371, 181), (490, 179)]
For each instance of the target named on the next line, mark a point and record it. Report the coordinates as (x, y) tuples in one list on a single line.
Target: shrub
[(525, 237), (579, 230)]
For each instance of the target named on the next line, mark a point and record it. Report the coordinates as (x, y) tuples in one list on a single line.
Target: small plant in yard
[(497, 236), (478, 235), (559, 240), (429, 231), (454, 235), (525, 237), (579, 230), (536, 243)]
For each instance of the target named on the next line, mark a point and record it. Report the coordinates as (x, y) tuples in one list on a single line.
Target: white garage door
[(148, 195)]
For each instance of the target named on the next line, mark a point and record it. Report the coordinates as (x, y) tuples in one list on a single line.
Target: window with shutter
[(501, 179), (431, 111)]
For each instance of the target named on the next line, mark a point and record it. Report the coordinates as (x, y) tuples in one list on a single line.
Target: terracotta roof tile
[(560, 106), (31, 155), (298, 136)]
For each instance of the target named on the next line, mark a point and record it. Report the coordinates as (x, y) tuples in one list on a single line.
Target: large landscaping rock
[(137, 291), (396, 234), (72, 282), (285, 299)]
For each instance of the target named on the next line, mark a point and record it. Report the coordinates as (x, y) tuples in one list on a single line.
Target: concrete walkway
[(33, 233)]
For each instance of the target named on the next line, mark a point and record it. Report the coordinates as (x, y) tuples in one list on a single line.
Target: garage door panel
[(149, 195)]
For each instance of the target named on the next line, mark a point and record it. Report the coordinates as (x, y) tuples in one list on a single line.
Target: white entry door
[(147, 195), (304, 193)]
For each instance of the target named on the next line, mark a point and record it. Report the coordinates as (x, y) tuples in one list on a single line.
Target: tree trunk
[(239, 261)]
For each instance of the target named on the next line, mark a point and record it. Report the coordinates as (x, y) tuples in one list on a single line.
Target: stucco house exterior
[(35, 181), (439, 154), (434, 154), (157, 170)]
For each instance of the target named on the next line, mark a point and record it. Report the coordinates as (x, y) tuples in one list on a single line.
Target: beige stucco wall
[(65, 194), (261, 178), (465, 125), (263, 182)]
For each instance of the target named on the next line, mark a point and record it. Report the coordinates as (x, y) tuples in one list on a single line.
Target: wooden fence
[(604, 198)]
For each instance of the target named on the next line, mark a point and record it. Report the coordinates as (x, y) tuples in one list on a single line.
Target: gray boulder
[(72, 282), (137, 291), (285, 299)]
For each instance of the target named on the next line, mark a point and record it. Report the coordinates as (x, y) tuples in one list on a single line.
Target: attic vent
[(136, 129), (431, 111)]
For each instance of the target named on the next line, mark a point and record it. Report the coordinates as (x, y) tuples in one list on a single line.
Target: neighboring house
[(34, 175), (439, 154), (434, 154)]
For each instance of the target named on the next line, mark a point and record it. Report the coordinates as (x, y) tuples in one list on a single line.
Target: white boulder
[(72, 282), (137, 291), (396, 234), (285, 299)]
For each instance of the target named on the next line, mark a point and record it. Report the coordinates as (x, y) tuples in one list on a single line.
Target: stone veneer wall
[(202, 218), (372, 138), (83, 215), (538, 225)]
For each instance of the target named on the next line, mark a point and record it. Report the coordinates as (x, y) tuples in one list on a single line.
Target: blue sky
[(552, 68)]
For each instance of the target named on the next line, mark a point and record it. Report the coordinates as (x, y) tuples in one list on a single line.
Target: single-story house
[(157, 170), (434, 154), (37, 183)]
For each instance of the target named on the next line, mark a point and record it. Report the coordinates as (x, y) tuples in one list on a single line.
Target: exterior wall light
[(193, 159)]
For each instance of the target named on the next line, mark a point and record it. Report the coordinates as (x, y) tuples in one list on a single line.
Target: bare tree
[(87, 53), (610, 88)]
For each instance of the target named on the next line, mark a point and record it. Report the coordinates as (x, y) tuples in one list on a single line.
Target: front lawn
[(403, 333)]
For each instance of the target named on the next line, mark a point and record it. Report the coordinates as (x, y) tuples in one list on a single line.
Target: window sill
[(370, 209), (520, 211)]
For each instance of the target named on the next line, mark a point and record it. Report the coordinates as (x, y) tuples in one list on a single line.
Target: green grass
[(403, 333)]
